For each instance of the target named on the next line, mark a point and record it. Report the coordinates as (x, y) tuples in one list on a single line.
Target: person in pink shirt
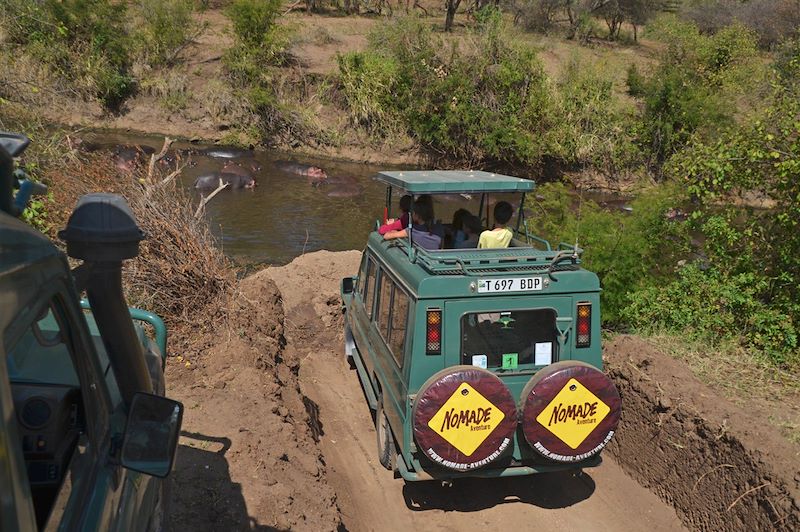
[(397, 224)]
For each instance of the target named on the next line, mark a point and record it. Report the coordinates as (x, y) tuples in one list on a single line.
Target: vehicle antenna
[(578, 223)]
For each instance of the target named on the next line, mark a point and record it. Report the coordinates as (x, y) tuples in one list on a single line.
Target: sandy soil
[(247, 458), (371, 499)]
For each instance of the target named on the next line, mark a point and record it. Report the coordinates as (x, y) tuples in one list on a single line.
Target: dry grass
[(180, 273), (741, 377)]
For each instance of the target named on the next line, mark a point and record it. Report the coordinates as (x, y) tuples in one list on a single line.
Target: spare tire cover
[(464, 418), (570, 411)]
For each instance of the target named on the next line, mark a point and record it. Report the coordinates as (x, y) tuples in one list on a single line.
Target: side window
[(362, 276), (41, 356), (385, 304), (369, 287), (50, 409), (397, 335)]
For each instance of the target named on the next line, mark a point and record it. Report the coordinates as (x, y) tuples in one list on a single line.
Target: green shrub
[(369, 82), (716, 307), (83, 41), (488, 102), (628, 251), (594, 130), (696, 86), (165, 26), (259, 41), (635, 81)]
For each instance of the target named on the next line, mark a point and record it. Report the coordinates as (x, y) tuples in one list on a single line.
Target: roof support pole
[(521, 214)]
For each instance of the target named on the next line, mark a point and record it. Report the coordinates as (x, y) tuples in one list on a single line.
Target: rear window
[(507, 340)]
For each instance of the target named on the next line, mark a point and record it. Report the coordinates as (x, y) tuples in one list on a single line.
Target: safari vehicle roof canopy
[(454, 181)]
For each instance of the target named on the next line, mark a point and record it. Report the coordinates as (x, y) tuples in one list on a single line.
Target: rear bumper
[(410, 475)]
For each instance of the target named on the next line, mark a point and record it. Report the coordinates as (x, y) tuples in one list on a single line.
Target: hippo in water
[(234, 181), (241, 168), (315, 174), (344, 191), (225, 152), (127, 157)]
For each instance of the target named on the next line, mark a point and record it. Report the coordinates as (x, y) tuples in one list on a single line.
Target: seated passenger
[(421, 229), (500, 236), (472, 230), (395, 224), (456, 234)]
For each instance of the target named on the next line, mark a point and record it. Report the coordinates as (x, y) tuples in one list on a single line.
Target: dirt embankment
[(720, 466), (247, 458)]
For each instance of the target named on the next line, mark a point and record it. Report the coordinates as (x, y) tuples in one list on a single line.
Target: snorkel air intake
[(102, 231)]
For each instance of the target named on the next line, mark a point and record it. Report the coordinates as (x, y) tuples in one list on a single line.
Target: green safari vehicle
[(478, 362), (86, 434)]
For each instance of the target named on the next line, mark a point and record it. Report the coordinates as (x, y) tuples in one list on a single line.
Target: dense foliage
[(92, 45), (487, 100), (83, 41), (260, 44), (491, 102), (696, 86)]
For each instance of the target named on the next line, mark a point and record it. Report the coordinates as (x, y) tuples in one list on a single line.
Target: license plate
[(518, 284)]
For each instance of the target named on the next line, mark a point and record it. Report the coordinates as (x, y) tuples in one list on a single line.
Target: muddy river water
[(284, 216)]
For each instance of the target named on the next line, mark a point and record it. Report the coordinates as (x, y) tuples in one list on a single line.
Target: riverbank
[(191, 98)]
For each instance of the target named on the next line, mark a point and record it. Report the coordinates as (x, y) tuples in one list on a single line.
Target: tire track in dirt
[(370, 498)]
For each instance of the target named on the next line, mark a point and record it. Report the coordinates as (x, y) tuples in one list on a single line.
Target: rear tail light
[(584, 336), (433, 332)]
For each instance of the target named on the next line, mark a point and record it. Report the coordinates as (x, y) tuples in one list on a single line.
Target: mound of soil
[(722, 467), (247, 456)]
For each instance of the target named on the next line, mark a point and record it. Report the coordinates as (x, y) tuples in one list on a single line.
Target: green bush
[(369, 81), (628, 251), (165, 26), (748, 205), (696, 85), (594, 130), (83, 41), (259, 41), (491, 102), (635, 81), (714, 307)]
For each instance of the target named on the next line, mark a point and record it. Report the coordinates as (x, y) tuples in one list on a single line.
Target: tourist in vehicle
[(421, 229), (500, 235), (472, 229), (396, 224), (456, 234)]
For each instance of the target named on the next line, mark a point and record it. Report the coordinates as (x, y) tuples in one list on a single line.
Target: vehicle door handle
[(563, 325)]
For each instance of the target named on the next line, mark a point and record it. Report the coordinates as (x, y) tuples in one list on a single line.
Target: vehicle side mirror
[(151, 434), (347, 285)]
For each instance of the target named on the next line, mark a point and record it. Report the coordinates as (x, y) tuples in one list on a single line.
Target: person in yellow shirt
[(500, 236)]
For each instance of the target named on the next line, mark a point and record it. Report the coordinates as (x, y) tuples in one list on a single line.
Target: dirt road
[(370, 498)]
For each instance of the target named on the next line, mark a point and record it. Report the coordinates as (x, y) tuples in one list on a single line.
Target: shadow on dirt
[(203, 496), (545, 490)]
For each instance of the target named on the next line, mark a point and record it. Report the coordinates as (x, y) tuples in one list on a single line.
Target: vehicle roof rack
[(483, 261), (454, 181)]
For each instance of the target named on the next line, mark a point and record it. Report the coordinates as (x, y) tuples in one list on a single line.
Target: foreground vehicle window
[(507, 340)]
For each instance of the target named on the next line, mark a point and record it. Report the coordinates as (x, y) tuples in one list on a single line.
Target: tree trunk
[(452, 6)]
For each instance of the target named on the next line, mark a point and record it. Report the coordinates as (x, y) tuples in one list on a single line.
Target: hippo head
[(317, 172)]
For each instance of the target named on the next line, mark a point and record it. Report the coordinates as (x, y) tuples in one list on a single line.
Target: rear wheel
[(386, 450)]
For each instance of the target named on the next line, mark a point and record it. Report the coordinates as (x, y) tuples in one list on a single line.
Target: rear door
[(511, 336)]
